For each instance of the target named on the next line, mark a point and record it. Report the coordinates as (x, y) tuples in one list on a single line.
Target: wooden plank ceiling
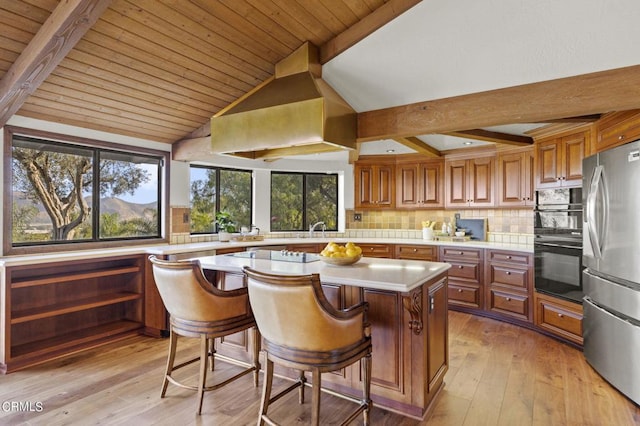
[(159, 69)]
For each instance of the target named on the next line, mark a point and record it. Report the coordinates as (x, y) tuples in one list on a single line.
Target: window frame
[(96, 146), (304, 200), (218, 169)]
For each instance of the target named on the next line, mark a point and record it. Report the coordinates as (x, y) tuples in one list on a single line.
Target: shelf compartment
[(65, 343), (48, 311), (67, 277)]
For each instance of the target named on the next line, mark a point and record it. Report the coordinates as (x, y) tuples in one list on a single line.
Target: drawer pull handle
[(460, 266), (508, 273), (620, 137), (459, 290), (508, 257), (561, 316), (461, 253), (508, 299), (415, 250)]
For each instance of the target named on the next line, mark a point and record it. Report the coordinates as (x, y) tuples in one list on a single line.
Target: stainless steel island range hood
[(294, 113)]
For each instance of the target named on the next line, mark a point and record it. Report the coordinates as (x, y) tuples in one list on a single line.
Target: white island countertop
[(383, 274)]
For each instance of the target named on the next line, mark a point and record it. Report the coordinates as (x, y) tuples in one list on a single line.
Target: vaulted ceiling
[(159, 69)]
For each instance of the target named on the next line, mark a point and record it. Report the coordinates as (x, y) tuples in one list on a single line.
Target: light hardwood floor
[(499, 374)]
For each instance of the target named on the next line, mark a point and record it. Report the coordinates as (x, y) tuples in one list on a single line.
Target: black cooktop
[(282, 255)]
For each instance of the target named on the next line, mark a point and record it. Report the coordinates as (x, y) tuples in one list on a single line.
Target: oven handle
[(558, 245)]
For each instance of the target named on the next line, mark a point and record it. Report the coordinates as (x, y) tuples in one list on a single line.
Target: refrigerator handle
[(590, 212)]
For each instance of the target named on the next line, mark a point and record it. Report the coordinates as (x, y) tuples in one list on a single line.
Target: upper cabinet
[(470, 182), (420, 184), (559, 159), (617, 128), (516, 178), (375, 183)]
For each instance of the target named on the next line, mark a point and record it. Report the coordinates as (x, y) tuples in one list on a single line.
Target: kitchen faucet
[(312, 228)]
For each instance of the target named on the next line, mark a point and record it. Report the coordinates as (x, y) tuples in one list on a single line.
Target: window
[(299, 200), (65, 192), (216, 189)]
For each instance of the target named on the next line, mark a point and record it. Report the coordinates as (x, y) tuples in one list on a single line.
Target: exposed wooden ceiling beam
[(381, 16), (418, 146), (594, 93), (67, 24), (490, 136)]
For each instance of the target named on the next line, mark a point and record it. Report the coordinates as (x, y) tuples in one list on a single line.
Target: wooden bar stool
[(301, 330), (198, 309)]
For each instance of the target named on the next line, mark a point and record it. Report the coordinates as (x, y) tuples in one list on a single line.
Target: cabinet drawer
[(461, 253), (516, 305), (464, 295), (559, 317), (468, 271), (509, 276), (417, 252), (510, 258), (377, 250)]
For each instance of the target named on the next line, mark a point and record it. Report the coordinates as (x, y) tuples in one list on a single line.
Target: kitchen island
[(407, 312)]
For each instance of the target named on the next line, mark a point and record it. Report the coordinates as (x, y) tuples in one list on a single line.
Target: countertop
[(382, 274), (172, 249)]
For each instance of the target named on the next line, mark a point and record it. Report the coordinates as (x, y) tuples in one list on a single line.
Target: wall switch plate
[(357, 217)]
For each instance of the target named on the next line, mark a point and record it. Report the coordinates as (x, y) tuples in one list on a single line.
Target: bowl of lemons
[(341, 255)]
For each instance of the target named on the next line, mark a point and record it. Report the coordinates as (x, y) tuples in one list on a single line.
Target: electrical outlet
[(357, 217)]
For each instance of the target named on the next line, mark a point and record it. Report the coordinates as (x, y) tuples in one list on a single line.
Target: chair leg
[(366, 387), (173, 341), (315, 397), (211, 354), (255, 335), (302, 379), (204, 351), (266, 389)]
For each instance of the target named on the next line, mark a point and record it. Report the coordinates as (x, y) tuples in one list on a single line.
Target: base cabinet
[(53, 309), (465, 276), (509, 284)]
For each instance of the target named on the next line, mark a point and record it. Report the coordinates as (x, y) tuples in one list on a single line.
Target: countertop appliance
[(557, 245), (611, 323), (281, 255)]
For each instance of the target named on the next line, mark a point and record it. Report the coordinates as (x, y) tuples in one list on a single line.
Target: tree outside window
[(299, 200), (53, 187), (218, 189)]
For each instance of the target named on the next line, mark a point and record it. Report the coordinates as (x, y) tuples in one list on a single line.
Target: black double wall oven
[(558, 243)]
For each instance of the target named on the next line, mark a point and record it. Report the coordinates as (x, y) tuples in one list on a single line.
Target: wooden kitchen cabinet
[(616, 129), (509, 284), (470, 182), (558, 159), (306, 248), (465, 277), (420, 184), (51, 309), (516, 183), (375, 183), (559, 317)]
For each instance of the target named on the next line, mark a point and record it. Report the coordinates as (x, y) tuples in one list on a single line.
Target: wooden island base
[(410, 342)]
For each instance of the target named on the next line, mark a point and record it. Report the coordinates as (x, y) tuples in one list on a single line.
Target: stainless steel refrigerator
[(611, 256)]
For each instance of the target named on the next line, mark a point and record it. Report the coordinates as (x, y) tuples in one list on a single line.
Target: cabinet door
[(438, 345), (547, 158), (456, 183), (364, 175), (481, 185), (408, 191), (573, 147), (515, 179), (430, 184), (384, 186)]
